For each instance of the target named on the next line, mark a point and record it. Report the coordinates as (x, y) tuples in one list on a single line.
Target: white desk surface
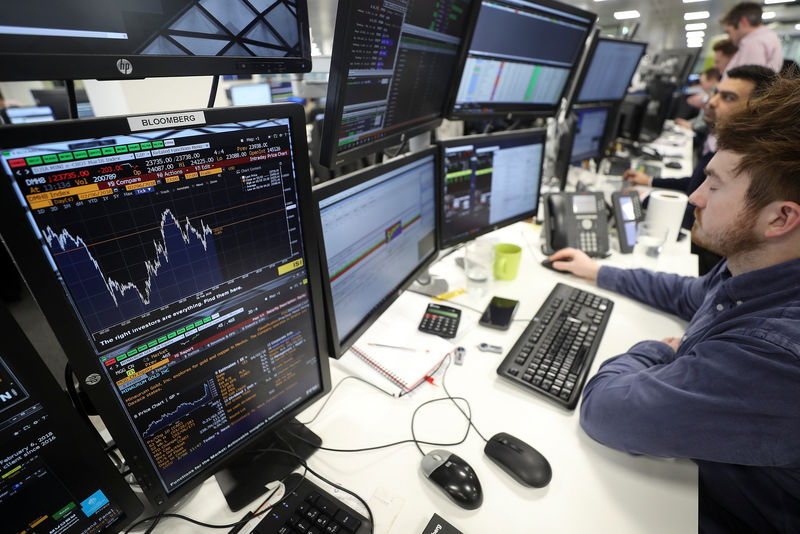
[(593, 489)]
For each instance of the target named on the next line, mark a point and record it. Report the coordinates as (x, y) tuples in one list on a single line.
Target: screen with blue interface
[(489, 181), (610, 70), (180, 251), (590, 128), (54, 476), (376, 234), (521, 57)]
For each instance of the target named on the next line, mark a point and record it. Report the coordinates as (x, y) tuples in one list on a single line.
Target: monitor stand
[(245, 479), (429, 285)]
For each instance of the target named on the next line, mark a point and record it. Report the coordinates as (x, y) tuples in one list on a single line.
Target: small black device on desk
[(627, 212), (553, 355), (440, 320), (499, 313), (311, 509)]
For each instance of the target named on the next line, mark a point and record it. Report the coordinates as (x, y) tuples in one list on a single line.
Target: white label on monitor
[(168, 120)]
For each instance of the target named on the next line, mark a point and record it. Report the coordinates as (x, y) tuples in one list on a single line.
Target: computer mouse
[(455, 477), (673, 165), (525, 464), (549, 264)]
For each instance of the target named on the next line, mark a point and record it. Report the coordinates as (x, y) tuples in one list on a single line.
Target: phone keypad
[(588, 241), (440, 320)]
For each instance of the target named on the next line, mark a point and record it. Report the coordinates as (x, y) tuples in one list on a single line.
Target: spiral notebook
[(406, 363)]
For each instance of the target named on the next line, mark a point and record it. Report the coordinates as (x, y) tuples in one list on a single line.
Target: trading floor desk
[(593, 489)]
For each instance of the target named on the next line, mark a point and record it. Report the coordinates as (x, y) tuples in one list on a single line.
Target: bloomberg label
[(151, 122)]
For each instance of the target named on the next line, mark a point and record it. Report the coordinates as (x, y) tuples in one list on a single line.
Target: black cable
[(398, 151), (153, 525), (212, 97), (469, 417), (414, 415)]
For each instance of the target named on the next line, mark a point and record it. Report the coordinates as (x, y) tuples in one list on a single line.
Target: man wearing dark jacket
[(726, 393)]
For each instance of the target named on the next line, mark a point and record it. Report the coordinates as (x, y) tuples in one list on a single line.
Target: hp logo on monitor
[(124, 66)]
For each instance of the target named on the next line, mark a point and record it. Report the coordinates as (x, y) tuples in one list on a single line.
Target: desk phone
[(575, 220)]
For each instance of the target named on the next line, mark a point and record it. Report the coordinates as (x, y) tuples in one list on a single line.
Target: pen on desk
[(392, 346)]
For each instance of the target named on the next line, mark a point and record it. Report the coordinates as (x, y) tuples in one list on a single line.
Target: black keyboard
[(553, 355), (311, 510)]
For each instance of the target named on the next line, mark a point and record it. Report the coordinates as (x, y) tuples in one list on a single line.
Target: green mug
[(506, 261)]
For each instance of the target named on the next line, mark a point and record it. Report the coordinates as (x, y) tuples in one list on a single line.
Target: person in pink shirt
[(758, 45)]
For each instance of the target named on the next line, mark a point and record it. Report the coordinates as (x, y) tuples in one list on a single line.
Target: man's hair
[(712, 73), (762, 77), (765, 134), (726, 47), (750, 10)]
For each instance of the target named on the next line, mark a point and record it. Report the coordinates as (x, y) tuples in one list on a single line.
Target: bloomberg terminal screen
[(399, 67), (181, 254)]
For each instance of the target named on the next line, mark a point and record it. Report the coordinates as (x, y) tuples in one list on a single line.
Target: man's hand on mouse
[(572, 260), (637, 177)]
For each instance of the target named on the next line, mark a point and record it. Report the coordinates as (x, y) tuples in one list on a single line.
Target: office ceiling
[(661, 22)]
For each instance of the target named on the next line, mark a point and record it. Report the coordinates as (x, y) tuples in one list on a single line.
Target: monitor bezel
[(444, 145), (611, 107), (590, 58), (27, 67), (527, 111), (29, 257), (28, 366), (337, 82), (327, 189)]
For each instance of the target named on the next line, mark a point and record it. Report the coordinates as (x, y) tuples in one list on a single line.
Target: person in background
[(724, 51), (709, 79), (731, 94), (758, 45), (724, 394)]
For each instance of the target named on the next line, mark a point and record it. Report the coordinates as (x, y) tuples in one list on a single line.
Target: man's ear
[(783, 218)]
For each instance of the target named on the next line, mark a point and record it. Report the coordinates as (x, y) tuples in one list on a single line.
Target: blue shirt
[(729, 398)]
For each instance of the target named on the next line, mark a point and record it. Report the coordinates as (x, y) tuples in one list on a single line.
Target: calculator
[(440, 320)]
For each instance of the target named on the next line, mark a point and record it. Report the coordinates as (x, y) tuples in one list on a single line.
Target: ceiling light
[(696, 26), (694, 44), (696, 15), (693, 1), (777, 1), (766, 15), (797, 26), (695, 35), (623, 15)]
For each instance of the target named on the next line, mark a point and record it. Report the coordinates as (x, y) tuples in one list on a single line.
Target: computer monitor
[(251, 94), (54, 474), (661, 94), (612, 63), (282, 92), (115, 39), (590, 133), (489, 181), (393, 70), (378, 229), (27, 114), (172, 255), (58, 101), (631, 116), (676, 64), (521, 58)]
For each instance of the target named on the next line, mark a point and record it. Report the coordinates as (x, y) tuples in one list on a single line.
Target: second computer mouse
[(455, 477), (673, 165), (549, 264), (525, 464)]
